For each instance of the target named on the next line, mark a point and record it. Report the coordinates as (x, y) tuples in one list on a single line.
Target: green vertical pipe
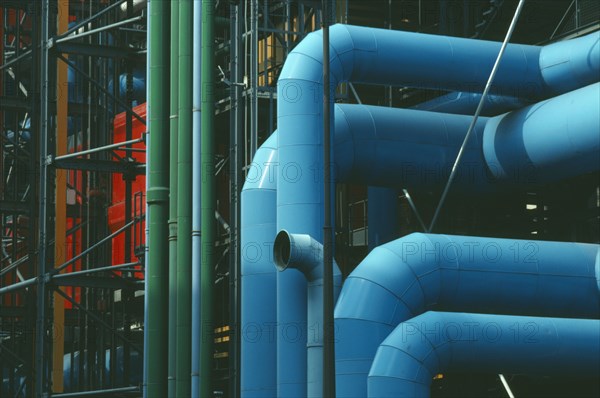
[(158, 201), (207, 277), (174, 110), (184, 203)]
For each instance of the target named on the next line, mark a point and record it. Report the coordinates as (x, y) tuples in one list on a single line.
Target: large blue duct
[(466, 104), (570, 64), (258, 229), (381, 57), (437, 342), (403, 147), (546, 141), (419, 272)]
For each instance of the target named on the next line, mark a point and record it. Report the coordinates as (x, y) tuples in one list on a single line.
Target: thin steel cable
[(477, 113)]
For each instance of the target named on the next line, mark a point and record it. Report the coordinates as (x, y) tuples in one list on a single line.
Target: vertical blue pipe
[(196, 195), (305, 254), (259, 317)]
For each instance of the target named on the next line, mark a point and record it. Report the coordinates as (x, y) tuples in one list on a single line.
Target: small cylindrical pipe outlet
[(298, 251)]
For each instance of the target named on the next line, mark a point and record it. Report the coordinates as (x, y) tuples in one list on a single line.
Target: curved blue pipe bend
[(435, 342), (259, 317), (419, 272)]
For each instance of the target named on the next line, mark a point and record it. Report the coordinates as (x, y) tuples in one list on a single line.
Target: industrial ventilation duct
[(286, 166)]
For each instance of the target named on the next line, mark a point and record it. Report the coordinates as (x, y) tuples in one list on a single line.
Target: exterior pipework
[(466, 104), (382, 146), (147, 239), (571, 64), (547, 141), (374, 56), (259, 312), (208, 239), (196, 196), (173, 121), (419, 272), (157, 199), (435, 342), (184, 203), (304, 253)]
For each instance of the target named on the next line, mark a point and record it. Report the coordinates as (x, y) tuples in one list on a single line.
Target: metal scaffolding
[(72, 164), (70, 318)]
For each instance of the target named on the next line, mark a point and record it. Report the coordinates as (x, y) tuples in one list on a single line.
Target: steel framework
[(71, 211)]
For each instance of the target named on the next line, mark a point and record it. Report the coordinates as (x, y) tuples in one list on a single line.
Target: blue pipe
[(547, 141), (436, 342), (466, 104), (564, 65), (196, 196), (419, 272), (412, 149), (304, 253), (259, 316), (570, 64), (541, 143)]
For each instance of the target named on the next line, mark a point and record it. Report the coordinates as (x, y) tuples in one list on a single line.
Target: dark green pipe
[(184, 203), (208, 198), (158, 201), (174, 108)]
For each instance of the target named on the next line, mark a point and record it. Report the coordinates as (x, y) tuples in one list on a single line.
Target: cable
[(488, 86)]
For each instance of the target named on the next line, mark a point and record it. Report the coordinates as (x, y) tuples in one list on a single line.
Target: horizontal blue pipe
[(258, 229), (412, 149), (436, 342), (419, 272), (462, 103), (547, 141), (571, 64)]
